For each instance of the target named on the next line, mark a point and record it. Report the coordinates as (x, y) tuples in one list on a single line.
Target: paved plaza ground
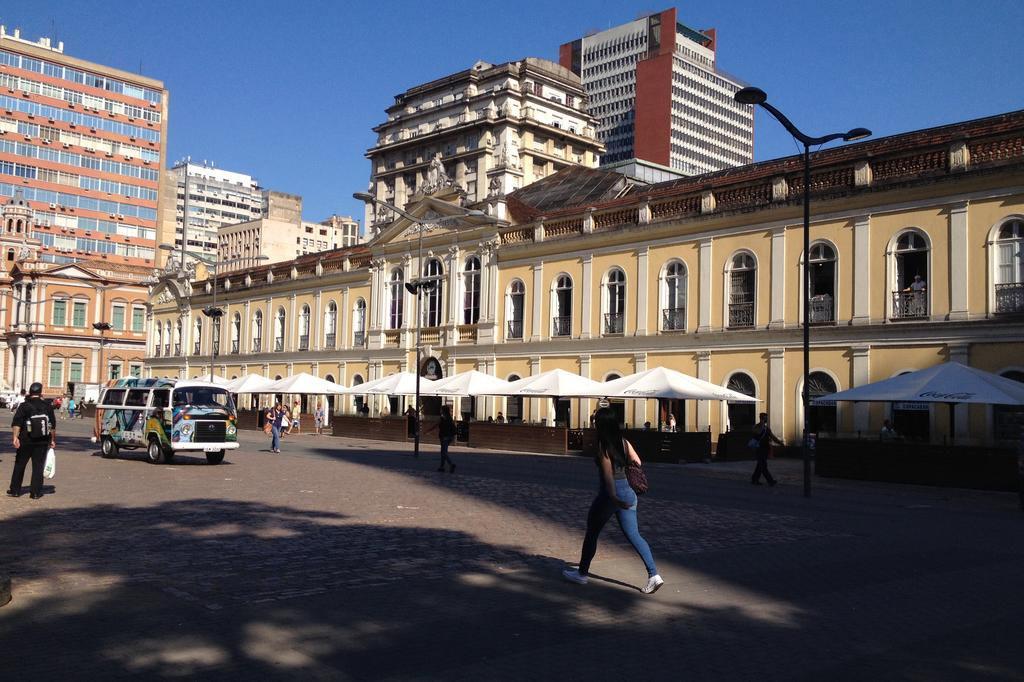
[(343, 559)]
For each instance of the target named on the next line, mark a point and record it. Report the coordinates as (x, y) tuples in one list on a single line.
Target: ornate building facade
[(47, 313), (589, 273)]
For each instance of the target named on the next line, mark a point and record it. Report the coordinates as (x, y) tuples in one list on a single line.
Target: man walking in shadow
[(35, 431)]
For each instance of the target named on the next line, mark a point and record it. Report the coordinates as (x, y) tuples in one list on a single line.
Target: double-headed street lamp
[(422, 283), (751, 95), (212, 311)]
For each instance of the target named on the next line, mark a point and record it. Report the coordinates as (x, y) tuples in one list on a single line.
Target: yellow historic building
[(916, 258)]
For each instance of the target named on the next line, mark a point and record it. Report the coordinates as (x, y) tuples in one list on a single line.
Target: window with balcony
[(177, 338), (615, 303), (236, 333), (257, 331), (433, 303), (215, 333), (331, 326), (822, 294), (197, 336), (304, 328), (742, 288), (159, 340), (471, 292), (279, 322), (515, 309), (1009, 276), (359, 323), (673, 305), (910, 295), (561, 308), (396, 295)]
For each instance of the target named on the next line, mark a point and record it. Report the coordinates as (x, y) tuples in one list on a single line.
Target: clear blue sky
[(289, 91)]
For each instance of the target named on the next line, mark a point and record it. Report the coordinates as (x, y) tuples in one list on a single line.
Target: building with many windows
[(916, 258), (47, 313), (659, 96), (493, 128), (212, 197), (85, 143)]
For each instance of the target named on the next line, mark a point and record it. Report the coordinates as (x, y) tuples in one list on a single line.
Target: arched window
[(561, 309), (742, 289), (330, 398), (216, 336), (159, 340), (673, 313), (357, 400), (331, 326), (397, 296), (910, 259), (359, 323), (236, 332), (823, 283), (821, 418), (434, 303), (257, 331), (10, 254), (1009, 276), (304, 328), (1007, 420), (167, 338), (197, 336), (515, 309), (514, 405), (615, 302), (177, 337), (742, 415), (279, 328), (471, 297)]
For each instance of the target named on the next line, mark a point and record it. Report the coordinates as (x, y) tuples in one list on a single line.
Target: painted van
[(166, 416)]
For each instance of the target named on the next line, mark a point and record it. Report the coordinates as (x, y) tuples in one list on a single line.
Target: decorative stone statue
[(24, 253), (494, 187), (509, 156), (435, 171)]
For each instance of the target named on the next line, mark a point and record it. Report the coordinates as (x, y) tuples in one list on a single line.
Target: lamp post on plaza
[(102, 328), (422, 283), (751, 95), (212, 311)]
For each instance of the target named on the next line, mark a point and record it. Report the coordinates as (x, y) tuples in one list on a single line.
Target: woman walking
[(446, 432), (614, 496)]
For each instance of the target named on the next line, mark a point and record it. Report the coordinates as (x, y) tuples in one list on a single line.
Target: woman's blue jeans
[(600, 511), (275, 440)]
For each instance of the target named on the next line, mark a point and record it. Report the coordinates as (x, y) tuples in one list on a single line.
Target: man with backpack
[(35, 431)]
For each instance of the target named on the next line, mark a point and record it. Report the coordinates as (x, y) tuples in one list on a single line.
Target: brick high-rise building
[(85, 144), (654, 86)]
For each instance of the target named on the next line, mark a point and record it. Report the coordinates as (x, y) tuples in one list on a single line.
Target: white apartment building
[(489, 130), (658, 96), (212, 197)]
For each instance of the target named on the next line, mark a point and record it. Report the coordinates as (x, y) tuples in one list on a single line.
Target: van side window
[(137, 397), (113, 396), (160, 398)]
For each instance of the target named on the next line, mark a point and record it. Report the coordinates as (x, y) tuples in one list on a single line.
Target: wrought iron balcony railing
[(1010, 298), (329, 341), (304, 342), (515, 329), (234, 346), (614, 324), (561, 326), (909, 305), (822, 309), (257, 344), (278, 345), (741, 315), (673, 319), (197, 348)]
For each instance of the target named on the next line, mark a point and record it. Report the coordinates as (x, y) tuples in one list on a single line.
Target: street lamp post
[(420, 284), (102, 328), (751, 95), (212, 311)]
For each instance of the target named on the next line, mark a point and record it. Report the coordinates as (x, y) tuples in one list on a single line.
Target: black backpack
[(38, 424)]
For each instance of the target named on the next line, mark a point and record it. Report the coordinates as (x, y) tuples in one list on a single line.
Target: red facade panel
[(652, 134)]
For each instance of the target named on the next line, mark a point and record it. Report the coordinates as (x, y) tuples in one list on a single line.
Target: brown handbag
[(637, 479)]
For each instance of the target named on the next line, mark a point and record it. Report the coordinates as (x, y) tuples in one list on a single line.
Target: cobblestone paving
[(349, 560)]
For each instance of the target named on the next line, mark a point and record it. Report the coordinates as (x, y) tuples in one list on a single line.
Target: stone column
[(861, 356), (315, 335), (705, 270), (777, 390), (960, 353), (642, 285), (778, 280), (292, 326), (587, 286), (704, 406), (584, 405), (861, 271), (534, 403), (537, 333), (959, 281), (639, 406)]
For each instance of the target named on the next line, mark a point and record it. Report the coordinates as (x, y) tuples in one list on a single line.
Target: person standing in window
[(918, 285)]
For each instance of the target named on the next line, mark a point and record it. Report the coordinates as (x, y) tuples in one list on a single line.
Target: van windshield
[(202, 396)]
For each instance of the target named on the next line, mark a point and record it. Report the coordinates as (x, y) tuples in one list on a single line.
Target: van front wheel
[(155, 453), (215, 457), (108, 447)]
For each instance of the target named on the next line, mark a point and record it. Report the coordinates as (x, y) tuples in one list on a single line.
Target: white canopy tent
[(661, 382), (212, 379), (250, 383), (466, 384), (401, 383), (555, 383), (306, 384)]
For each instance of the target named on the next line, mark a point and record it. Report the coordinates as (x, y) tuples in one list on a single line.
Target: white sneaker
[(653, 583), (573, 575)]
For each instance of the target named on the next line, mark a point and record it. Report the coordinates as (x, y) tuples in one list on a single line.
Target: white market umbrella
[(465, 384), (950, 383), (661, 382), (402, 383), (250, 383), (212, 379), (306, 384), (556, 383)]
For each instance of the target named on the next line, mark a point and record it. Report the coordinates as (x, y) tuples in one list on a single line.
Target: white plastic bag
[(50, 470)]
